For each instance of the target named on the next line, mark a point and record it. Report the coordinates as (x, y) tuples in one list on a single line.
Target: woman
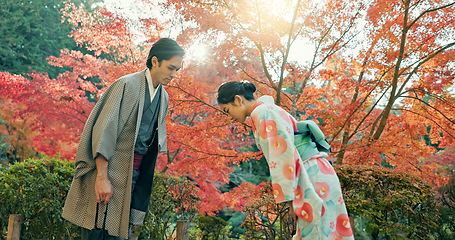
[(300, 174)]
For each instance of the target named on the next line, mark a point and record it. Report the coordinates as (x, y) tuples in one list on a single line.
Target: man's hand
[(103, 187)]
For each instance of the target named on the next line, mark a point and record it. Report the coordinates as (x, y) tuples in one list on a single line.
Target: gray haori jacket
[(111, 130)]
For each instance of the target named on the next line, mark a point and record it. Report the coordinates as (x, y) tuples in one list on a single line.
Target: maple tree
[(196, 137), (378, 81), (15, 130)]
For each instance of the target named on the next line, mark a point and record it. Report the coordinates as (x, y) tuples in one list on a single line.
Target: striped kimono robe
[(311, 184)]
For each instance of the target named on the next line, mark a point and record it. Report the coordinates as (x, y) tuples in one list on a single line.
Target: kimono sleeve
[(275, 137), (105, 129), (274, 133)]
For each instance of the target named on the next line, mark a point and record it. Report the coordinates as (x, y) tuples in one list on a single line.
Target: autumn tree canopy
[(378, 78)]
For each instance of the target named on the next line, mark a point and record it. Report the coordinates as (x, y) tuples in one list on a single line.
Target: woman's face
[(236, 110)]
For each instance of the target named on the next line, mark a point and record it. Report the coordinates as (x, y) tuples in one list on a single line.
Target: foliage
[(172, 199), (16, 131), (446, 227), (32, 31), (395, 205), (379, 80), (36, 189), (446, 197), (3, 150), (235, 220), (384, 203), (210, 228), (447, 193), (265, 219), (42, 116), (254, 171), (379, 71)]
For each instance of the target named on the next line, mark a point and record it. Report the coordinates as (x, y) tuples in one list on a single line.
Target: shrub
[(265, 219), (36, 189), (393, 205), (172, 199), (210, 228), (386, 204), (446, 223)]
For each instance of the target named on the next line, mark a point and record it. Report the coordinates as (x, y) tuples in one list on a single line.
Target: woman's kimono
[(311, 184)]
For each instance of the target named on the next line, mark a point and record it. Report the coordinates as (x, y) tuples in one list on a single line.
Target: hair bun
[(228, 90), (249, 87)]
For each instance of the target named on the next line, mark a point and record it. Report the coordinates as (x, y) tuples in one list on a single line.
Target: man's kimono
[(311, 184), (111, 130)]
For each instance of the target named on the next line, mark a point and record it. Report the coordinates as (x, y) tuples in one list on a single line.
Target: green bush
[(210, 228), (265, 219), (385, 205), (36, 189), (446, 224), (3, 147), (390, 204), (172, 199)]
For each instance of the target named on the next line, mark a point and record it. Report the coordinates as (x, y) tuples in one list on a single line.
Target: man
[(116, 156)]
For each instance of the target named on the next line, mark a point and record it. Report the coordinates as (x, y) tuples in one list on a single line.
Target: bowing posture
[(295, 152)]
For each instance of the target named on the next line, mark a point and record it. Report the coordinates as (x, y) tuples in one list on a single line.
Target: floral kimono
[(311, 184)]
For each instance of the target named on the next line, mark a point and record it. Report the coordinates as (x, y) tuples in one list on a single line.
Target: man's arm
[(103, 187)]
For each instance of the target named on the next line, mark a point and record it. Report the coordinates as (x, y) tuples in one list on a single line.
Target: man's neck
[(155, 83)]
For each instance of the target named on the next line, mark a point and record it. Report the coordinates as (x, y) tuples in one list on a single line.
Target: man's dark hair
[(164, 49)]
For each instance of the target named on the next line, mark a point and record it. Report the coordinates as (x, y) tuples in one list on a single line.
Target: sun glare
[(197, 52), (281, 8)]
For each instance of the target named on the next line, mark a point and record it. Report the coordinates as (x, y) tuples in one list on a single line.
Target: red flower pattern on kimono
[(298, 196), (305, 212), (325, 167), (267, 128), (335, 236), (278, 192), (289, 171), (311, 184), (278, 146), (323, 211), (297, 162), (323, 190), (343, 226)]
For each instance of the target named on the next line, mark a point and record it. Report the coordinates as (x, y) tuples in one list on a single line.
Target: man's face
[(163, 72)]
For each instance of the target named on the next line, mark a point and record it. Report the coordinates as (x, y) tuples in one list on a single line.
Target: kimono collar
[(263, 100), (152, 90)]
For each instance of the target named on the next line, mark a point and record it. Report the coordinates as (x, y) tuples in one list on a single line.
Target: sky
[(300, 52), (135, 8)]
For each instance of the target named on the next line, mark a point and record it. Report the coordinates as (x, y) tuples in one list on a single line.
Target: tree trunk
[(14, 227), (182, 230)]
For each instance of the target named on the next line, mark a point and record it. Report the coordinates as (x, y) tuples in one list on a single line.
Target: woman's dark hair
[(228, 90), (164, 49)]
